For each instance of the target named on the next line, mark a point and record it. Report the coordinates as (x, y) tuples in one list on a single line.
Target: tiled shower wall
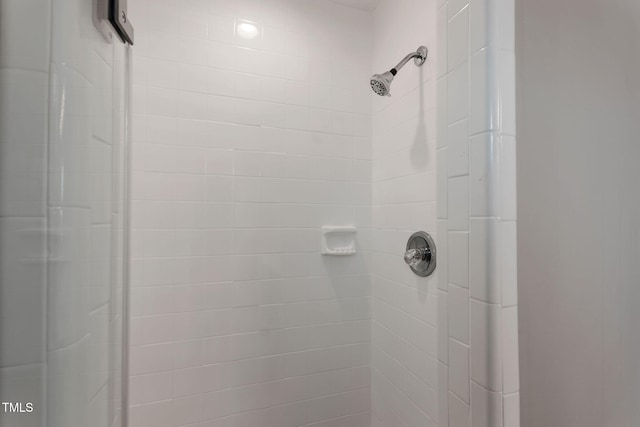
[(404, 357), (243, 149), (477, 297)]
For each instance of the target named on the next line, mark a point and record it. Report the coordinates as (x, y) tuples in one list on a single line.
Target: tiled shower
[(251, 127), (164, 205), (244, 147)]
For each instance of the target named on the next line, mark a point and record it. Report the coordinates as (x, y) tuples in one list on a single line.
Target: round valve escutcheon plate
[(421, 254)]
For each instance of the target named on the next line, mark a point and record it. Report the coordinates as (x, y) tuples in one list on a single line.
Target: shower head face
[(381, 83)]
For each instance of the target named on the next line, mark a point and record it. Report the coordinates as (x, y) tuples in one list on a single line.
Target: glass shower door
[(64, 107)]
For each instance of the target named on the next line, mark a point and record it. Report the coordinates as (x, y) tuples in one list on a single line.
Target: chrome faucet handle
[(414, 257), (420, 254)]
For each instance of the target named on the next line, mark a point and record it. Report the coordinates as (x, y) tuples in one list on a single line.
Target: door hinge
[(120, 20)]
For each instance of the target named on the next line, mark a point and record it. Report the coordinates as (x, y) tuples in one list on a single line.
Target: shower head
[(381, 83)]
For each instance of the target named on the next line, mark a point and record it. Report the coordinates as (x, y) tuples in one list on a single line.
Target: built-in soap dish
[(338, 240)]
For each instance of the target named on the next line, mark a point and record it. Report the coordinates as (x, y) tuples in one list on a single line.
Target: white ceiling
[(360, 4)]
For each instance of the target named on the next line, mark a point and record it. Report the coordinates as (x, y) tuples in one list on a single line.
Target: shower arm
[(420, 55), (405, 60)]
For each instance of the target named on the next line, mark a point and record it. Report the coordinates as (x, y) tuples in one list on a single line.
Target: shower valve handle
[(420, 254), (414, 257)]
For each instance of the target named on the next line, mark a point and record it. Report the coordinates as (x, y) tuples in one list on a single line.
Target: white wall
[(477, 343), (578, 207), (404, 330), (242, 151)]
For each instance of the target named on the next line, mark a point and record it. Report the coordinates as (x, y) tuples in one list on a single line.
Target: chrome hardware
[(120, 20), (421, 254), (381, 83), (421, 57), (414, 257)]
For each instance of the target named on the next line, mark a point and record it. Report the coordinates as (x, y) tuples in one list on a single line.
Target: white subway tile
[(442, 22), (458, 39), (485, 23), (192, 105), (274, 39), (160, 44), (158, 414), (442, 248), (511, 373), (511, 405), (167, 186), (458, 313), (506, 16), (161, 102), (223, 109), (219, 189), (188, 382), (458, 93), (193, 78), (458, 149), (486, 407), (443, 393), (221, 28), (161, 73), (509, 263), (484, 175), (508, 177), (192, 51), (485, 258), (458, 203), (458, 258), (221, 56), (459, 369), (260, 87), (150, 359), (484, 95), (486, 344), (155, 387), (187, 410), (455, 6), (442, 184), (165, 158), (442, 107), (459, 412), (220, 162)]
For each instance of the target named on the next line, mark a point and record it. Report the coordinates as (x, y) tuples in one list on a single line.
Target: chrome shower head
[(381, 83)]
